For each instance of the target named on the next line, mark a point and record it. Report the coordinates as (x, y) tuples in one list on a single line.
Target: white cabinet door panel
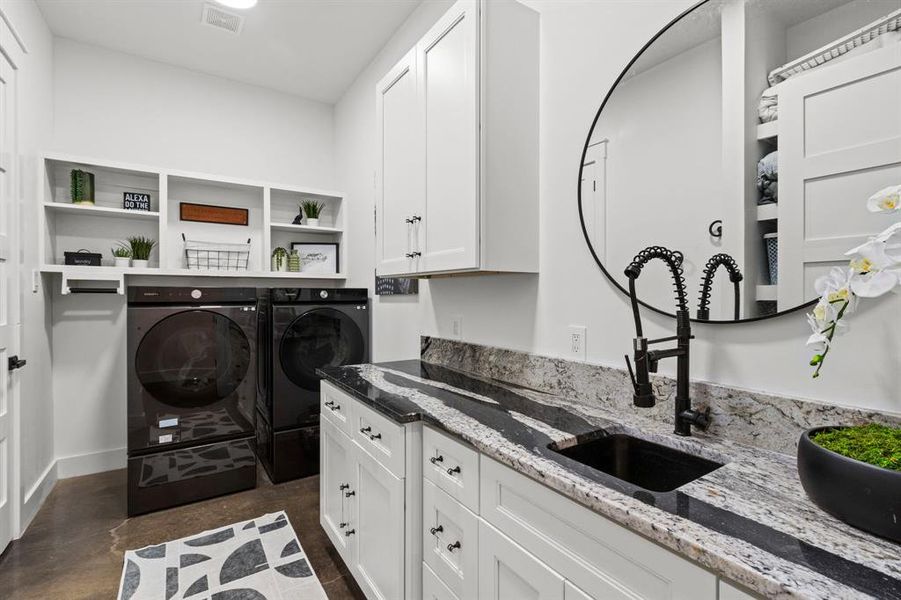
[(399, 179), (433, 588), (450, 540), (508, 572), (335, 460), (379, 524), (448, 73)]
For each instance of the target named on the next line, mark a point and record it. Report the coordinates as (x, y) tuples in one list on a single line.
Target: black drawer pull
[(375, 436), (330, 404), (342, 525), (365, 430), (436, 459), (454, 546), (349, 532), (349, 494), (454, 470), (343, 486), (436, 530)]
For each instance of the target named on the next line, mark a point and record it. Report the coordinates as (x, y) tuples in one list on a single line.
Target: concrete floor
[(73, 549)]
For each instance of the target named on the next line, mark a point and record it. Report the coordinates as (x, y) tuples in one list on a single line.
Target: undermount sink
[(648, 465)]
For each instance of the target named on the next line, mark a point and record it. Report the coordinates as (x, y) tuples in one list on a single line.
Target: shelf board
[(304, 228), (106, 272), (768, 132), (766, 293), (767, 212), (101, 211)]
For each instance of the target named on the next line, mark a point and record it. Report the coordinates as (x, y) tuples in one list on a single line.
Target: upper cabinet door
[(448, 64), (400, 192)]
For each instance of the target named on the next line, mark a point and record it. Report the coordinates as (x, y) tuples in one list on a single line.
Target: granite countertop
[(749, 521)]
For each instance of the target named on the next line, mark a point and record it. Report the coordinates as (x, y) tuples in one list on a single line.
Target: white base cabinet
[(508, 571)]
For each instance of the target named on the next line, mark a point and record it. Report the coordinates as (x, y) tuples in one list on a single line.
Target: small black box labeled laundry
[(83, 258)]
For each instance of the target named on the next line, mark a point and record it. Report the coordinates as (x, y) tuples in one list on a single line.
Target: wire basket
[(216, 256)]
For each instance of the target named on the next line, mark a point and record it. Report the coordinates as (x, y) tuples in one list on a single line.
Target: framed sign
[(135, 201), (318, 258), (207, 213)]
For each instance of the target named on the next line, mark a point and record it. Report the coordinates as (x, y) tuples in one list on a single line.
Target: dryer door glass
[(322, 337), (193, 358)]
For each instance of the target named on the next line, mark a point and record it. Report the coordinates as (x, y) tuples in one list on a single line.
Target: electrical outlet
[(577, 342), (457, 327)]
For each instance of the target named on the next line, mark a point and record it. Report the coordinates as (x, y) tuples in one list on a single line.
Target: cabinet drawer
[(336, 406), (452, 466), (433, 588), (450, 541), (380, 437), (602, 558)]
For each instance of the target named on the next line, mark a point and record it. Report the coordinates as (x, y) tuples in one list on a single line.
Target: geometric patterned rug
[(253, 560)]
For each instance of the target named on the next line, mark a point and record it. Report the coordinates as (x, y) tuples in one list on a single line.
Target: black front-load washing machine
[(192, 385), (303, 329)]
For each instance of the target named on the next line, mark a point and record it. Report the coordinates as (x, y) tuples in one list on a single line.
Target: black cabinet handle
[(342, 525), (436, 530), (454, 470), (349, 532), (365, 429), (413, 219), (329, 403), (343, 486), (332, 406), (375, 436), (349, 494), (16, 363), (436, 459), (454, 546), (415, 254)]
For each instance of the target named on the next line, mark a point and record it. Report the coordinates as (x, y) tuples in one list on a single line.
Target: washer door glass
[(193, 358), (322, 337)]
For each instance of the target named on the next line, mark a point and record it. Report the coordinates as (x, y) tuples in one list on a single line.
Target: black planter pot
[(863, 495)]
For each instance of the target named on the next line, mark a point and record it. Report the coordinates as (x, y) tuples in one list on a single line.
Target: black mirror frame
[(594, 255)]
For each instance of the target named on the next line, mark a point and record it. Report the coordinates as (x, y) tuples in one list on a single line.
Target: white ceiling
[(312, 48)]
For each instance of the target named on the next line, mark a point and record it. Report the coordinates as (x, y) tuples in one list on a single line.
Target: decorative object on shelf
[(207, 213), (122, 255), (294, 262), (82, 258), (771, 240), (874, 270), (141, 247), (317, 258), (396, 286), (854, 474), (311, 210), (135, 201), (279, 260), (82, 187), (216, 256)]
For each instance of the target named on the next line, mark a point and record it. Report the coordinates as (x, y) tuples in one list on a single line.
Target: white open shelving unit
[(67, 227)]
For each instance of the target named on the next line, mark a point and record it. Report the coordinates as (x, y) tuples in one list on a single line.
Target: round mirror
[(746, 136)]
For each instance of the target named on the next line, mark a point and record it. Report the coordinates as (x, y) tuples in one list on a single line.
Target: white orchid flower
[(885, 200), (876, 264)]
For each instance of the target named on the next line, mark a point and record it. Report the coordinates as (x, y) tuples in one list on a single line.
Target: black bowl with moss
[(854, 473)]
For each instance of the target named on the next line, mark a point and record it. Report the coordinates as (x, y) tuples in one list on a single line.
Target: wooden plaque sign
[(207, 213)]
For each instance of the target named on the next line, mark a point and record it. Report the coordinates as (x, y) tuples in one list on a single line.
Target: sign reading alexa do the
[(135, 201)]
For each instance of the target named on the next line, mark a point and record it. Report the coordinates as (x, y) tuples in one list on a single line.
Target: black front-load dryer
[(192, 385), (308, 328)]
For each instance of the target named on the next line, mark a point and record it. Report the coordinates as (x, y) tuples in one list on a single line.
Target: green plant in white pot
[(312, 210), (280, 260), (141, 247), (122, 255)]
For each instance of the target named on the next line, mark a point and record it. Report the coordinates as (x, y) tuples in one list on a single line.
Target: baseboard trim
[(93, 462), (35, 496)]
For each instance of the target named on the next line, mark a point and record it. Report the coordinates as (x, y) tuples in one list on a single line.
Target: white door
[(8, 298), (448, 73), (839, 142), (379, 524), (400, 194), (335, 483), (508, 572)]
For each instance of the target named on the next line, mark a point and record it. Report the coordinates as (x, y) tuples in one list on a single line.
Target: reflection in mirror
[(755, 129)]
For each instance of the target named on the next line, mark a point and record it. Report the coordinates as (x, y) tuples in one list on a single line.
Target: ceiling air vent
[(221, 19)]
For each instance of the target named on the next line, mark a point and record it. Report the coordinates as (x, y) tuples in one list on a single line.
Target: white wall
[(395, 330), (34, 82), (116, 106), (584, 45)]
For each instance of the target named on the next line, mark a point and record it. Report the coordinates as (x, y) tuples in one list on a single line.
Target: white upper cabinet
[(458, 166)]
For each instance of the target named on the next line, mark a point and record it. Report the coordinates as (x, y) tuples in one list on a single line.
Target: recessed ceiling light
[(239, 4)]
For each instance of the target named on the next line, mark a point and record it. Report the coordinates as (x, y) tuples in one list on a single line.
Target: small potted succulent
[(122, 255), (280, 260), (141, 247), (854, 473), (81, 187), (311, 210)]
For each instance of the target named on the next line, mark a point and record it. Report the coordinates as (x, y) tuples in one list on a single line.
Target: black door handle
[(16, 363)]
